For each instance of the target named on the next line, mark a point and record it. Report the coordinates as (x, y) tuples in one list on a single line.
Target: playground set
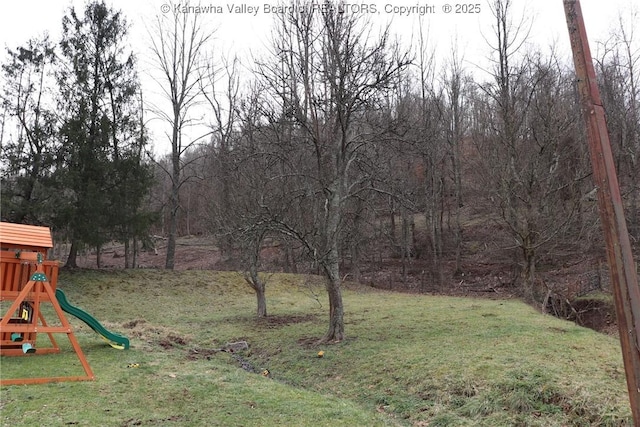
[(28, 282)]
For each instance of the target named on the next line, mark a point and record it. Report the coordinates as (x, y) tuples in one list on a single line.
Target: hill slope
[(407, 359)]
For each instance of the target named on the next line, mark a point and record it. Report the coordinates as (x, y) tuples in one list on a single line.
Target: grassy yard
[(407, 360)]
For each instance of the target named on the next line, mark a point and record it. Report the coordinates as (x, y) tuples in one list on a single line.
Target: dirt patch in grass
[(132, 324), (155, 421), (309, 342), (202, 353), (171, 341), (155, 335), (273, 322)]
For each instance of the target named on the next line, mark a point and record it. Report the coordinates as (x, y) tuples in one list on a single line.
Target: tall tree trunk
[(392, 230), (457, 231), (356, 274), (290, 260), (405, 250), (331, 266), (336, 307), (261, 301), (72, 259), (174, 203), (98, 256), (178, 49), (127, 253), (253, 279), (634, 185), (171, 241), (457, 185), (134, 258), (434, 222), (529, 272)]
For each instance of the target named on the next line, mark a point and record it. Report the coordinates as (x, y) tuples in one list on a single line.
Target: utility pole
[(624, 280)]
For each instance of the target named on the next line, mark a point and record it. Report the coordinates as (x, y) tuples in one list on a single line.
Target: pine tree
[(104, 177)]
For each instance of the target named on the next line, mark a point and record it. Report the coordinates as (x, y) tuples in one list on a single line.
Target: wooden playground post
[(29, 281)]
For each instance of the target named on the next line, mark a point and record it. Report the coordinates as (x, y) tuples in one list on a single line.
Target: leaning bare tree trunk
[(253, 279)]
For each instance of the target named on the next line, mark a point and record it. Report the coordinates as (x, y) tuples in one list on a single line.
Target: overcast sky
[(243, 27), (22, 19)]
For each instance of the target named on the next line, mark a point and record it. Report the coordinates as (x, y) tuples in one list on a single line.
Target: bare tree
[(255, 198), (246, 199), (178, 47), (334, 68), (526, 142), (619, 72), (221, 88), (433, 150), (456, 86)]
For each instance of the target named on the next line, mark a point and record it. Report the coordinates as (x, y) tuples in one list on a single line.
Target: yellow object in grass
[(112, 344), (321, 353)]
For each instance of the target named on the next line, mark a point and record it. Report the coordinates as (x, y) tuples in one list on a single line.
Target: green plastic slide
[(114, 340)]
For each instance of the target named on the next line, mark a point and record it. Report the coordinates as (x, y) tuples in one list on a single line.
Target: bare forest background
[(343, 153)]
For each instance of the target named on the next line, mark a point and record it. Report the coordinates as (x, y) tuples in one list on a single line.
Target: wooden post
[(29, 281), (624, 280)]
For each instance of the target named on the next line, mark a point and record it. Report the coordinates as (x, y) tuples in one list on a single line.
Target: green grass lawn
[(407, 359)]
